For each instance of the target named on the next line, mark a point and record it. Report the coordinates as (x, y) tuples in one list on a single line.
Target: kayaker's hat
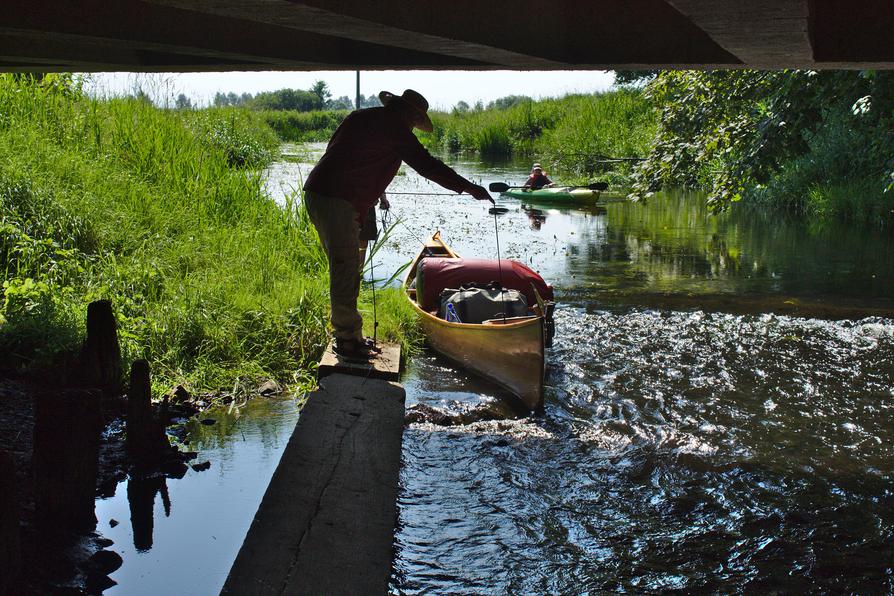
[(536, 167), (415, 102)]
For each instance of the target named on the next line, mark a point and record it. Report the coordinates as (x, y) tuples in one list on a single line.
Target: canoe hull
[(555, 195), (511, 355)]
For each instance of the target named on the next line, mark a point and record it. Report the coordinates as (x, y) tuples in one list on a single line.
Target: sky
[(443, 89)]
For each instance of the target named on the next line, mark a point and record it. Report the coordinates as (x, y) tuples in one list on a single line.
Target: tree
[(321, 90), (634, 78), (509, 101), (369, 102), (286, 99), (183, 102), (342, 103), (461, 107), (220, 99), (736, 132)]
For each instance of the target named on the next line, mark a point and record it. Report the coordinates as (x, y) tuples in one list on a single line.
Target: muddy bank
[(59, 472), (59, 549)]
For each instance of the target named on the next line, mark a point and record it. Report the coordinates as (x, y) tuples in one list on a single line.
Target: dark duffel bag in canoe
[(475, 303)]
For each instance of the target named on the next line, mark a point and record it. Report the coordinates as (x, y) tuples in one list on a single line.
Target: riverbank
[(303, 127), (816, 147), (669, 371), (819, 145), (569, 135), (164, 213)]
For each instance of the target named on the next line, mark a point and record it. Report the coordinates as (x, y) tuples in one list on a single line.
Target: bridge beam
[(209, 35), (757, 32)]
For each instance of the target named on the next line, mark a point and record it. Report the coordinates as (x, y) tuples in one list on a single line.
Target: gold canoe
[(510, 353)]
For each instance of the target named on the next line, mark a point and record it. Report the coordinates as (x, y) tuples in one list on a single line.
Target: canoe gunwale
[(500, 334)]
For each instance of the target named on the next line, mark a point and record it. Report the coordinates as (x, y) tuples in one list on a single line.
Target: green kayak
[(555, 194)]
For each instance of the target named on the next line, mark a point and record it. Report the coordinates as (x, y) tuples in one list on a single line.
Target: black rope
[(426, 194), (500, 267), (425, 248), (372, 276), (372, 279)]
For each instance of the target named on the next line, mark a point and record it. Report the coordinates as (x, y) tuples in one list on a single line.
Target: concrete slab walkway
[(326, 523)]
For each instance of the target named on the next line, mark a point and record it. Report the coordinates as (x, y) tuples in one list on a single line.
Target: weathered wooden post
[(146, 441), (101, 354), (10, 556), (66, 451)]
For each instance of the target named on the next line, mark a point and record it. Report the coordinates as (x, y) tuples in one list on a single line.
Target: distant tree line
[(231, 99), (318, 97), (502, 103)]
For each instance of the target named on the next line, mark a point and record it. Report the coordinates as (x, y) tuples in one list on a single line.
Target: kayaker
[(360, 161), (537, 179)]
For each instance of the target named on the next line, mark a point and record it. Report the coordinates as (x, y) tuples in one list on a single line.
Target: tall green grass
[(164, 213), (299, 127), (569, 135), (840, 176)]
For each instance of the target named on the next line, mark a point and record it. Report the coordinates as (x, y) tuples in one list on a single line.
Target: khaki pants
[(336, 223)]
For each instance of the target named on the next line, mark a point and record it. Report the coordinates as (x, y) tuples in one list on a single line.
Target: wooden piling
[(66, 451), (101, 354), (146, 441), (10, 555)]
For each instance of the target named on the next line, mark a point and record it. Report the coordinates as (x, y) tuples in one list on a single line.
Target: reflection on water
[(536, 217), (180, 536), (141, 498), (678, 450), (690, 440), (669, 246)]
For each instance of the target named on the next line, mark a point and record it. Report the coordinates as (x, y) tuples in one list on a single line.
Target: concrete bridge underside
[(215, 35)]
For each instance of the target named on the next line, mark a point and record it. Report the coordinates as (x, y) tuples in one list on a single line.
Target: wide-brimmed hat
[(415, 102)]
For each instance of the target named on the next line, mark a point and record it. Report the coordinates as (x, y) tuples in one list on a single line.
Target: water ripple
[(678, 451)]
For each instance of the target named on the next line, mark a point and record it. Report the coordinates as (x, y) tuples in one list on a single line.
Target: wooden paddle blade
[(498, 187), (600, 186)]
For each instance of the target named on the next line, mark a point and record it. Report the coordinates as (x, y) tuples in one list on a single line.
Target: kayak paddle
[(503, 187)]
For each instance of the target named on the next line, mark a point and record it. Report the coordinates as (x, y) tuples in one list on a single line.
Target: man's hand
[(480, 193), (384, 205)]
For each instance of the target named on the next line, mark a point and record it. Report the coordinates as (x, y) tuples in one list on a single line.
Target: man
[(360, 161), (537, 179)]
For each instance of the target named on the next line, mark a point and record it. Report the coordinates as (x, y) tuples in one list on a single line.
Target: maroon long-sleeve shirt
[(365, 153)]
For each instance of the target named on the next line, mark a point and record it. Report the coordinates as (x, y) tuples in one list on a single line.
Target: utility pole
[(357, 101)]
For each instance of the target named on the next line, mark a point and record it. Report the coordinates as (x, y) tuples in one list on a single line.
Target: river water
[(181, 536), (719, 410)]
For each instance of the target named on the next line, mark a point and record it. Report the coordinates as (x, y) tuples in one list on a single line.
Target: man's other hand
[(480, 193)]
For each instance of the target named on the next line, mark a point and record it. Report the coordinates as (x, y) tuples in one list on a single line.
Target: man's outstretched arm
[(417, 157)]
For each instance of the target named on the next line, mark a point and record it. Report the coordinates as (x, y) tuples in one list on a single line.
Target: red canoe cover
[(436, 273)]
